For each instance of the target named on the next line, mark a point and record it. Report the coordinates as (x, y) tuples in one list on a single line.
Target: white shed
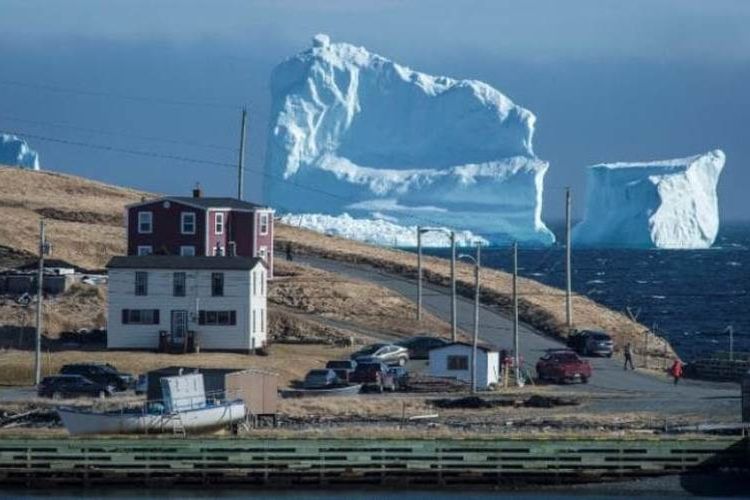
[(454, 361)]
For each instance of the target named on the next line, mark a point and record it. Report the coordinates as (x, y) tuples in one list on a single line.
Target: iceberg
[(657, 204), (379, 231), (353, 132), (16, 153)]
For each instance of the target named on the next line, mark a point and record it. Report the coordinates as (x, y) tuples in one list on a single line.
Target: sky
[(89, 83)]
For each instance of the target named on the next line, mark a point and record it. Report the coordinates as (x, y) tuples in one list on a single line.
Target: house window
[(458, 362), (141, 283), (263, 253), (178, 284), (262, 320), (187, 251), (219, 223), (262, 283), (140, 316), (264, 223), (255, 327), (217, 284), (145, 222), (145, 250), (217, 318), (187, 222), (254, 277)]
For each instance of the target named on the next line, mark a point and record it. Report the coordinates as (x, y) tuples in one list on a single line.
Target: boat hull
[(79, 422)]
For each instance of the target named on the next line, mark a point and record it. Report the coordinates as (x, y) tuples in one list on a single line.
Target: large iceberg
[(15, 152), (658, 204), (355, 132)]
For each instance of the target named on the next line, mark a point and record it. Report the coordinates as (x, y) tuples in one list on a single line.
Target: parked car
[(590, 342), (401, 376), (562, 366), (343, 368), (389, 354), (321, 379), (374, 374), (419, 347), (102, 373), (71, 386)]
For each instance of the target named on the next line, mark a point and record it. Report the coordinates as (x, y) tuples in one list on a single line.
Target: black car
[(419, 347), (71, 386), (101, 373), (343, 368)]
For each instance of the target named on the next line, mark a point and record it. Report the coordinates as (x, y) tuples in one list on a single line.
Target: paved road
[(634, 390)]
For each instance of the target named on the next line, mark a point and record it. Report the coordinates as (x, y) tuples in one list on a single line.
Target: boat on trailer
[(184, 409)]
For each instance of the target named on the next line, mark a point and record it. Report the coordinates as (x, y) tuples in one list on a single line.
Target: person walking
[(676, 370), (289, 253), (628, 357)]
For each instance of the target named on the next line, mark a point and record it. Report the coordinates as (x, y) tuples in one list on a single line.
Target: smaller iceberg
[(15, 152), (381, 231), (658, 204)]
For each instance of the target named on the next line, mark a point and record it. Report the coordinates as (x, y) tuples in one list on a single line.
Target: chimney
[(197, 190)]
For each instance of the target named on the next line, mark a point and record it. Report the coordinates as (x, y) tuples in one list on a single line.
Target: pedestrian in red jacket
[(676, 370)]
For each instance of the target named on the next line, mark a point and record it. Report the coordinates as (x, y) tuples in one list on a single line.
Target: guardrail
[(357, 461)]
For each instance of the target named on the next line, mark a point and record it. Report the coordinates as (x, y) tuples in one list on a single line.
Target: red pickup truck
[(563, 366)]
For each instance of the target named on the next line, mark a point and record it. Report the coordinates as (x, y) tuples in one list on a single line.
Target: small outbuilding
[(454, 361)]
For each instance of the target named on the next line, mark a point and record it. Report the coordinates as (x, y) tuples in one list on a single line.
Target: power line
[(186, 159), (112, 95), (65, 125)]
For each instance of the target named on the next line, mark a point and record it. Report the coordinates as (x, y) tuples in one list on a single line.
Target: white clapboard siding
[(238, 296)]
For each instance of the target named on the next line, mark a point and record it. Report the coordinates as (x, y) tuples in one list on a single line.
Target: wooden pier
[(321, 462)]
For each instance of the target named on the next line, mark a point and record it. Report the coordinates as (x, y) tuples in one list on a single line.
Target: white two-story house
[(182, 303)]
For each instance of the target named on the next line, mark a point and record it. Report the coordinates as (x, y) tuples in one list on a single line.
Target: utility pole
[(730, 330), (516, 354), (419, 273), (454, 319), (478, 260), (39, 296), (241, 162), (568, 270)]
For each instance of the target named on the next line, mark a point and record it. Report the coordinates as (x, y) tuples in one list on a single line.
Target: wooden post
[(568, 263), (39, 300), (516, 354)]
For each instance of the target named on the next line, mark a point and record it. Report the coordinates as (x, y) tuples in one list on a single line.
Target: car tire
[(609, 354), (102, 394), (56, 395), (584, 380), (401, 361)]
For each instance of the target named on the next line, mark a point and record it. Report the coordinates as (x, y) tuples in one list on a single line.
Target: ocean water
[(690, 297)]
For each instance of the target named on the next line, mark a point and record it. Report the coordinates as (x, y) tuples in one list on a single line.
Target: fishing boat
[(183, 409), (347, 390)]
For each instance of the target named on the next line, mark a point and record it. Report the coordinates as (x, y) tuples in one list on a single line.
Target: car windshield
[(318, 373), (600, 336), (566, 357), (368, 367)]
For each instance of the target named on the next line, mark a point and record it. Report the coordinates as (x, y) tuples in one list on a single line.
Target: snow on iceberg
[(380, 231), (658, 204), (354, 132), (15, 152)]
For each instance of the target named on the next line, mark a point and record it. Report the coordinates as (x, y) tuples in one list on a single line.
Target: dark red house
[(197, 225)]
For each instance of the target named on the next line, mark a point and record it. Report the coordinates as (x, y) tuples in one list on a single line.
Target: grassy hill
[(84, 218)]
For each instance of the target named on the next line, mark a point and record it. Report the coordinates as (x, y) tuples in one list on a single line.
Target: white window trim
[(263, 252), (145, 250), (182, 222), (217, 216), (185, 247), (260, 223), (150, 222)]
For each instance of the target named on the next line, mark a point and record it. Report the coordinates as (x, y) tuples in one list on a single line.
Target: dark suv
[(374, 374), (71, 386), (101, 373)]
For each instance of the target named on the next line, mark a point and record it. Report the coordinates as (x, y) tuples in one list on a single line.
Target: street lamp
[(452, 235), (477, 264)]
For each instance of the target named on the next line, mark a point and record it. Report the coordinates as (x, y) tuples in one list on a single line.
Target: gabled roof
[(206, 202), (184, 262), (217, 202), (482, 346)]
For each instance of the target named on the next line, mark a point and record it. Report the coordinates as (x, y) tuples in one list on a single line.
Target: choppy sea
[(692, 297)]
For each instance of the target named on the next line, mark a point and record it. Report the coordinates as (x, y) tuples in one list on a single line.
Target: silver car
[(599, 344), (390, 354)]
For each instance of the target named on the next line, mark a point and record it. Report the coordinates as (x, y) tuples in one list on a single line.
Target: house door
[(179, 327)]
